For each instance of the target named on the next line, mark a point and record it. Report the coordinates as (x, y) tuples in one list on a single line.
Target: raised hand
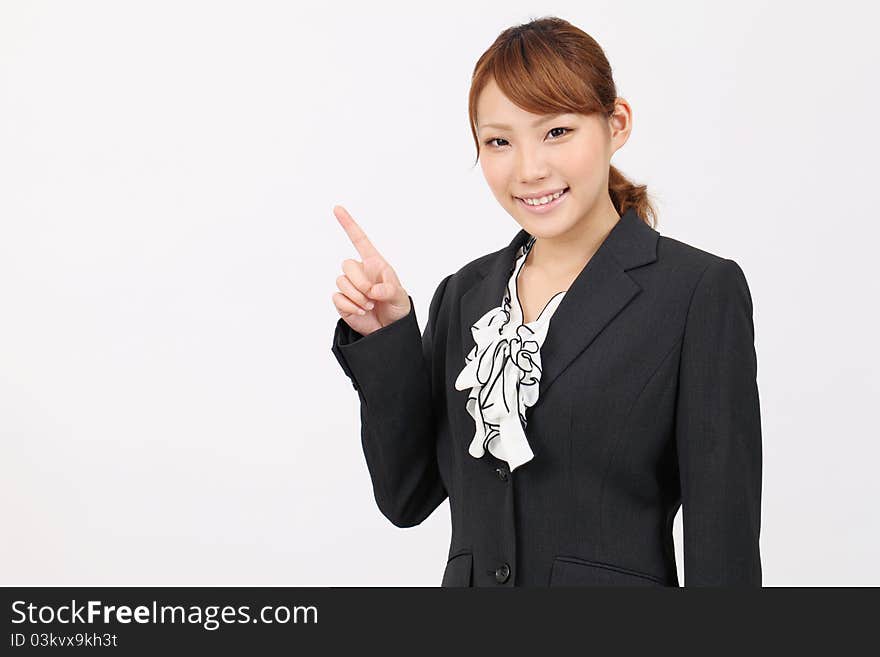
[(370, 294)]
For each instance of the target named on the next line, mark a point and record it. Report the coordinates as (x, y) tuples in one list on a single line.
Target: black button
[(502, 473), (502, 573)]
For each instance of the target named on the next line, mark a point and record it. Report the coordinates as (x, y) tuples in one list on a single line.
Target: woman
[(572, 390)]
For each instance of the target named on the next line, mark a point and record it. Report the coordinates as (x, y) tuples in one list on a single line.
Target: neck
[(566, 254)]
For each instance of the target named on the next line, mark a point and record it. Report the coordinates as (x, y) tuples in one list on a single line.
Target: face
[(524, 154)]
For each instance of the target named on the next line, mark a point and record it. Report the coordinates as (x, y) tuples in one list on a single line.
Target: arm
[(718, 433), (391, 369)]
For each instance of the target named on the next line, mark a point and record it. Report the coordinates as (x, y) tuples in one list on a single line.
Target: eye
[(567, 130), (488, 142)]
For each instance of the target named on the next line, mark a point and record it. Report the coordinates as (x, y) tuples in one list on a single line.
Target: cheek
[(594, 159), (497, 179), (585, 174), (584, 161)]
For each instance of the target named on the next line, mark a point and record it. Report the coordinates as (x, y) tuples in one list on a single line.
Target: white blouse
[(503, 366)]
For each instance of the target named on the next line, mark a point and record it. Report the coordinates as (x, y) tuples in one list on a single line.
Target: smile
[(543, 208)]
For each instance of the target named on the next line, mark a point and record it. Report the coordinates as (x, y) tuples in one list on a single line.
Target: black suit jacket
[(648, 402)]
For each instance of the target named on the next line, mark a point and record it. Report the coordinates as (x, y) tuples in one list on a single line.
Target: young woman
[(572, 390)]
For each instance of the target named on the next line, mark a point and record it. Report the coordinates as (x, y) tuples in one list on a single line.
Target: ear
[(620, 123)]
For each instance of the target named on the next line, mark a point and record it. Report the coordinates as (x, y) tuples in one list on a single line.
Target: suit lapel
[(601, 290)]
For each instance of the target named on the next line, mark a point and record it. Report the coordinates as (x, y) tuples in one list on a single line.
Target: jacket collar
[(601, 290)]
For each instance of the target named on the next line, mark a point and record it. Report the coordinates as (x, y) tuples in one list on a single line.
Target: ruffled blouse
[(503, 371)]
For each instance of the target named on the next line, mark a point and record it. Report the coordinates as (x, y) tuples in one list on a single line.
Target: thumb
[(390, 293), (380, 292), (389, 288)]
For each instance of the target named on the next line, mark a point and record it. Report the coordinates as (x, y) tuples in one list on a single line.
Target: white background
[(170, 409)]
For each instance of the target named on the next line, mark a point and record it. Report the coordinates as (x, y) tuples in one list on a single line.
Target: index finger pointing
[(355, 234)]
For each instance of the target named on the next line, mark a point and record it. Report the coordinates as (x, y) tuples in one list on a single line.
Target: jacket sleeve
[(391, 368), (718, 433)]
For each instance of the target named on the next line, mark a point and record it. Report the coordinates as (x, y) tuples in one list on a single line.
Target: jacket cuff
[(357, 353)]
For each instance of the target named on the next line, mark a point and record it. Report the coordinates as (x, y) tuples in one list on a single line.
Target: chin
[(545, 227)]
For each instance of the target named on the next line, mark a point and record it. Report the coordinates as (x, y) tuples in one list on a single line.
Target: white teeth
[(544, 200)]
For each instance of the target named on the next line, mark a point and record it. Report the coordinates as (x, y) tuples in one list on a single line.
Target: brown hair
[(549, 66)]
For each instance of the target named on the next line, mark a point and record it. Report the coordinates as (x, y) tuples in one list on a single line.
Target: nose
[(530, 166)]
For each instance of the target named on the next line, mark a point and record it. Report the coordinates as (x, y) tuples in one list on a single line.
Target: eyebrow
[(535, 124)]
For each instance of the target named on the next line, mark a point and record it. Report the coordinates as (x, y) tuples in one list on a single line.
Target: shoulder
[(701, 266), (709, 280), (477, 267), (677, 253), (466, 275), (452, 286)]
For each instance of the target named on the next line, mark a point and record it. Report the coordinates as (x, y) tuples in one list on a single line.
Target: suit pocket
[(574, 571), (458, 570)]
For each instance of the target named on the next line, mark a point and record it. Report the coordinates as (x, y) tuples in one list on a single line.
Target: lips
[(545, 208), (535, 197)]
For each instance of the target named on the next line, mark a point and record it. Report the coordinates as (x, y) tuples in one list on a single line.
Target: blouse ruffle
[(503, 372)]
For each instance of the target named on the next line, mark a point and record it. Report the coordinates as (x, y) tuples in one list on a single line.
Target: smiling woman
[(576, 388), (545, 117)]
